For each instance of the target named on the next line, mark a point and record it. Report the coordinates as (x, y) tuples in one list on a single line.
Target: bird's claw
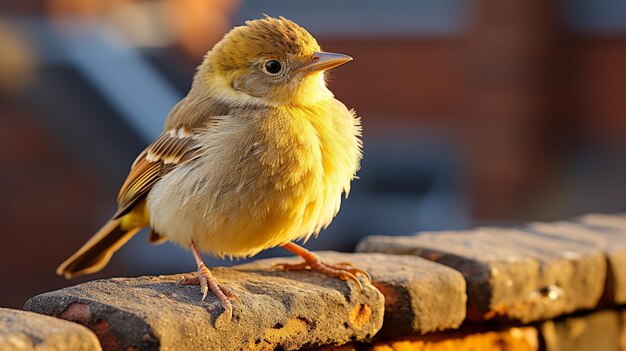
[(346, 264), (349, 276), (363, 273), (206, 282), (343, 270), (286, 267), (229, 293)]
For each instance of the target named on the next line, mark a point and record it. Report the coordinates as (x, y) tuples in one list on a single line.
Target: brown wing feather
[(171, 149)]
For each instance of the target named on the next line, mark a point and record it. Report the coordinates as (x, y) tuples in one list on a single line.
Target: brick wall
[(544, 286)]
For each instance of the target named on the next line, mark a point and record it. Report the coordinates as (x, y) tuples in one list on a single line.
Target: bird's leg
[(342, 270), (206, 281)]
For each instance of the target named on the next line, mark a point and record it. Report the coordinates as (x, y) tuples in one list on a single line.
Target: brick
[(592, 233), (278, 310), (511, 274), (512, 339), (616, 222), (420, 296), (346, 347), (596, 331), (21, 331)]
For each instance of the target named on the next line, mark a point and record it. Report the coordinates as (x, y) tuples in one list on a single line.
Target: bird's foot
[(343, 270), (206, 281)]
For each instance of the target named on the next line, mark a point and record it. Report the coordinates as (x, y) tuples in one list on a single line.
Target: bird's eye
[(273, 66)]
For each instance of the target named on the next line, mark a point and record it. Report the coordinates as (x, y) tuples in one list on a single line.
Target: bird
[(258, 154)]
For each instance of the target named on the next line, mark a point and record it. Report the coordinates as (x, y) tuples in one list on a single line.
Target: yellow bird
[(257, 155)]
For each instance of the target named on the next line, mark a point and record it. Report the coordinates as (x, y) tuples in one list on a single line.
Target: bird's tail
[(97, 252)]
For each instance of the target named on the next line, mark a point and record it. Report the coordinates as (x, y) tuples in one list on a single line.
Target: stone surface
[(596, 232), (596, 331), (420, 296), (278, 310), (511, 274), (512, 339), (20, 330), (617, 222)]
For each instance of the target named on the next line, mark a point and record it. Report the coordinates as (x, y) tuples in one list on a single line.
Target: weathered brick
[(420, 296), (512, 339), (278, 310), (616, 222), (510, 273), (21, 331), (604, 238), (596, 331)]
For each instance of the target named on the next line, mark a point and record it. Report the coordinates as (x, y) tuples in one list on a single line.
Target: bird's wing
[(174, 147)]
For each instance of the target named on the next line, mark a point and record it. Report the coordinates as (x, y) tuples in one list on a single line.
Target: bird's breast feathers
[(263, 177)]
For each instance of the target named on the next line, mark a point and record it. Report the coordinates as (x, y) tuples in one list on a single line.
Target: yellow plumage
[(282, 181)]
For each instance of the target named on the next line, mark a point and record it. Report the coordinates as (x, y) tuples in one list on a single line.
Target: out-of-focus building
[(473, 111)]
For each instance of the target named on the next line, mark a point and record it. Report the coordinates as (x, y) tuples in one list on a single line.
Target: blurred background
[(474, 112)]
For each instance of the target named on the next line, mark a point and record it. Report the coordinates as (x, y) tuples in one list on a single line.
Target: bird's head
[(270, 61)]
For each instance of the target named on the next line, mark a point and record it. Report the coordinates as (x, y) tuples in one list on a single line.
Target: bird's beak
[(323, 61)]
